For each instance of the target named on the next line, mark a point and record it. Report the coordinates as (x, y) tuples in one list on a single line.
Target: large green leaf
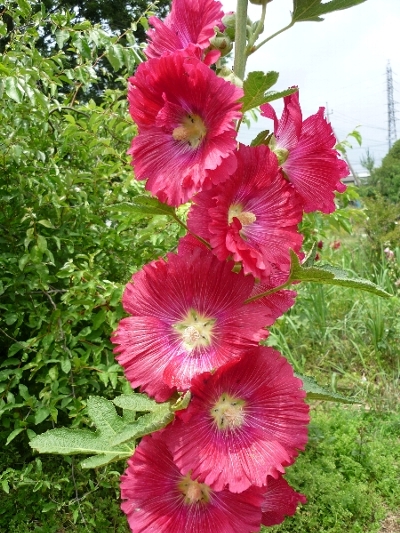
[(312, 10), (255, 89), (316, 392), (331, 276), (114, 437)]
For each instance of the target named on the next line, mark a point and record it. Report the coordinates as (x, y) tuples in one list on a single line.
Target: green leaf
[(255, 86), (261, 138), (115, 56), (5, 486), (144, 205), (83, 441), (331, 276), (312, 10), (13, 434), (46, 223), (61, 37), (316, 392), (41, 414), (136, 402), (13, 90), (146, 424), (99, 318)]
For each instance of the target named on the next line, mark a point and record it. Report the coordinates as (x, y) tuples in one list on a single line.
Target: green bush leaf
[(316, 392), (312, 10), (331, 276), (144, 205)]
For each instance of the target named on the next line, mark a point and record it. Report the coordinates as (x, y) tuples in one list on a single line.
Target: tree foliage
[(386, 179), (64, 254)]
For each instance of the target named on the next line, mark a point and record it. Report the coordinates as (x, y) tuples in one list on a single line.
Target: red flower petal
[(245, 422), (188, 318), (280, 500), (159, 498), (309, 159)]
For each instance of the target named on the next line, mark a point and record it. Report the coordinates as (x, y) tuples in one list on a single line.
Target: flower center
[(245, 217), (194, 491), (228, 412), (192, 130), (196, 330), (281, 153)]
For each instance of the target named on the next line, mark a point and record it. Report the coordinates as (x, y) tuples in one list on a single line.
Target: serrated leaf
[(136, 402), (146, 424), (255, 86), (312, 10), (316, 392), (66, 441), (144, 205), (99, 460), (331, 276), (46, 223)]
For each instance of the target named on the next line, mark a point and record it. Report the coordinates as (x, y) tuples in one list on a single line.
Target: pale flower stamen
[(196, 330), (228, 412), (192, 130), (193, 491), (245, 217)]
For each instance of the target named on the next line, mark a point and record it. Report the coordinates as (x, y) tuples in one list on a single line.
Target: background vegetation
[(69, 242)]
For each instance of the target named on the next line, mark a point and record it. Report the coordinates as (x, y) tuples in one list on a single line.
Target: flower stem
[(272, 36), (258, 30), (203, 241), (239, 65), (270, 291)]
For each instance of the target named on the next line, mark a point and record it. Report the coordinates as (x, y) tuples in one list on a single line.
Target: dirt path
[(391, 524)]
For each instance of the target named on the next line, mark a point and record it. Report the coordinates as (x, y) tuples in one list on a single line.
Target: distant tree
[(368, 161), (386, 179)]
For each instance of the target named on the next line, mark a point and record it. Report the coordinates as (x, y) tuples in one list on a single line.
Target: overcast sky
[(339, 63)]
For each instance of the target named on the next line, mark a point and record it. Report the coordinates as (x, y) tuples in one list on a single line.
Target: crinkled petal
[(280, 500), (153, 500), (272, 427)]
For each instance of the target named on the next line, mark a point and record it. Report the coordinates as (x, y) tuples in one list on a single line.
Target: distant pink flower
[(389, 253), (280, 500), (335, 245), (185, 115), (190, 22), (252, 217), (306, 153), (245, 422), (320, 244), (188, 318), (159, 498)]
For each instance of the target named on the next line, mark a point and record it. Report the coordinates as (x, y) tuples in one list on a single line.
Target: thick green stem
[(239, 65)]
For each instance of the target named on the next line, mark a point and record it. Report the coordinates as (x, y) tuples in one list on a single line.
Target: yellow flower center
[(228, 412), (196, 330), (193, 491), (192, 131), (245, 217)]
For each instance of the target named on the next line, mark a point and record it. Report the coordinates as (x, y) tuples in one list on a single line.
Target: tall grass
[(346, 337)]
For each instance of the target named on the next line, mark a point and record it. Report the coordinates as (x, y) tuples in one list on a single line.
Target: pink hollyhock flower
[(335, 245), (244, 422), (252, 217), (159, 498), (188, 318), (280, 500), (190, 22), (184, 113), (305, 150)]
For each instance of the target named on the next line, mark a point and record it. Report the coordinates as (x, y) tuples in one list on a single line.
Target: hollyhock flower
[(159, 498), (184, 113), (190, 22), (188, 318), (253, 217), (305, 150), (244, 422), (280, 500)]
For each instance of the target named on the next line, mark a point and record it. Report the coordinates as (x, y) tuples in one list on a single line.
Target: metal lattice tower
[(391, 113)]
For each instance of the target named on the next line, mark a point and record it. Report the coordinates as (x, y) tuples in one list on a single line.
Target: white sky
[(340, 62)]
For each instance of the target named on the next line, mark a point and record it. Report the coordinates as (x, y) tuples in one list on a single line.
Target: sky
[(340, 64)]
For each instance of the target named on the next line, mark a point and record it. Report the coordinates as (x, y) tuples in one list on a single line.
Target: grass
[(350, 471)]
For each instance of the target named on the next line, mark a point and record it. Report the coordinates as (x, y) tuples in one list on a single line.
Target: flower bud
[(222, 43)]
